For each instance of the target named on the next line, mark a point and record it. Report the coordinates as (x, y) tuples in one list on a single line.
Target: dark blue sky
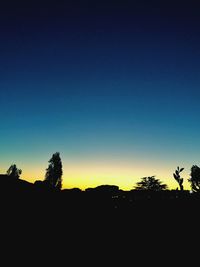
[(100, 81)]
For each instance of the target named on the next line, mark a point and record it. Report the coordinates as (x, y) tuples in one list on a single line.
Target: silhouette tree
[(150, 183), (178, 178), (195, 178), (54, 171), (14, 172)]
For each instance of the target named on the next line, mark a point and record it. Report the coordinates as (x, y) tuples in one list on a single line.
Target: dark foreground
[(75, 224)]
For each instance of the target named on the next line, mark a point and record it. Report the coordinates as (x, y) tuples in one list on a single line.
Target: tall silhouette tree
[(178, 178), (14, 172), (150, 183), (54, 171), (195, 178)]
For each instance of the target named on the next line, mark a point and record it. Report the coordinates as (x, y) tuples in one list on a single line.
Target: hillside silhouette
[(96, 220), (19, 195), (44, 206)]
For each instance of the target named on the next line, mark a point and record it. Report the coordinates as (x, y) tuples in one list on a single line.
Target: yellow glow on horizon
[(124, 178), (85, 175)]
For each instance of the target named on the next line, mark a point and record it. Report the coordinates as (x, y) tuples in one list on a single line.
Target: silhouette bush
[(14, 172), (150, 183)]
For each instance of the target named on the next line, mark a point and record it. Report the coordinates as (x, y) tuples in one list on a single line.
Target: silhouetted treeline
[(102, 217), (40, 195)]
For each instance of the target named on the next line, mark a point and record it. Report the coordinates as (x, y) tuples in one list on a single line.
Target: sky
[(111, 85)]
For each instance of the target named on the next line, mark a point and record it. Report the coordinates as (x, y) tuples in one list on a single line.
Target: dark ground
[(93, 227)]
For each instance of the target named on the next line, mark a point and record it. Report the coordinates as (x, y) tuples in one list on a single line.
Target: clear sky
[(113, 86)]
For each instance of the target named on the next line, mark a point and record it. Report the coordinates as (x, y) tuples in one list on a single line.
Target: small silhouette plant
[(178, 178)]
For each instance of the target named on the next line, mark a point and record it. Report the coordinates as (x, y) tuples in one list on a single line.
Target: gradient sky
[(113, 86)]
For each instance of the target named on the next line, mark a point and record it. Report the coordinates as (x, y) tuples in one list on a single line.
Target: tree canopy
[(194, 179), (150, 183), (54, 171)]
